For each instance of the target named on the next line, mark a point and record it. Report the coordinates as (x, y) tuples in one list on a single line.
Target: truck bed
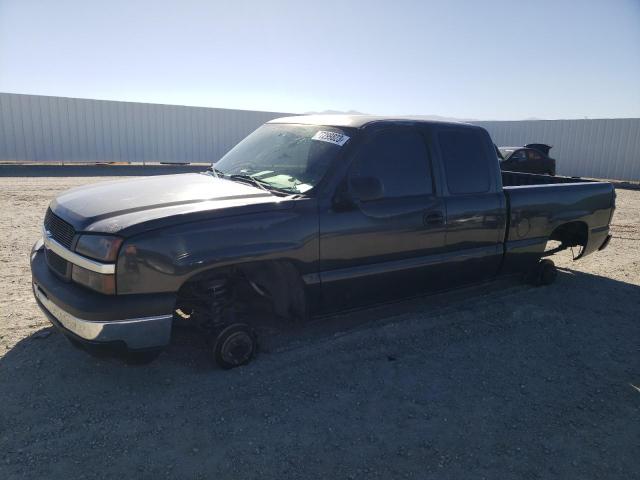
[(538, 204)]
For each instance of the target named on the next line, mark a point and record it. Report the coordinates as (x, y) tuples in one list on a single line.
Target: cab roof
[(360, 121)]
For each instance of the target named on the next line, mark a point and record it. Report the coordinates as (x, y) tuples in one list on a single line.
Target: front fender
[(163, 260)]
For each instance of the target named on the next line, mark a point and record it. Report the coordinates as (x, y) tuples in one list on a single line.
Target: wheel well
[(277, 284), (571, 234)]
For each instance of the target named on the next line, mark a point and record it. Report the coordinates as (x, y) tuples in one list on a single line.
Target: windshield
[(293, 158), (506, 152)]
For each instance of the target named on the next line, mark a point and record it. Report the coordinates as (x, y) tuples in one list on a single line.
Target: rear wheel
[(545, 273), (234, 345)]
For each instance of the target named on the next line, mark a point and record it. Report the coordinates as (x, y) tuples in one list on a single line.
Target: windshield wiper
[(266, 186), (263, 184), (216, 173), (252, 180)]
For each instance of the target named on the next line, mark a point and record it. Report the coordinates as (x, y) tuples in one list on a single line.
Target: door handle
[(433, 218)]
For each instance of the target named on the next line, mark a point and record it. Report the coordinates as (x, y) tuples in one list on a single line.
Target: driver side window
[(399, 159)]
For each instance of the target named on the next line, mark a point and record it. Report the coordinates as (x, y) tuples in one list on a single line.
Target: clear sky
[(483, 59)]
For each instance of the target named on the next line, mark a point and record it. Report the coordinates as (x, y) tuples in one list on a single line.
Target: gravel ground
[(500, 381)]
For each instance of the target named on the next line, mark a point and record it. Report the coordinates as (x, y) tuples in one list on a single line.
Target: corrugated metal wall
[(52, 129), (606, 148)]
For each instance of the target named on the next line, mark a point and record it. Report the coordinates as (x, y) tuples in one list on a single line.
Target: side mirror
[(365, 189)]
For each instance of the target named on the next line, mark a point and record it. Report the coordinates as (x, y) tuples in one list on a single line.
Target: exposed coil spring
[(207, 304), (219, 295)]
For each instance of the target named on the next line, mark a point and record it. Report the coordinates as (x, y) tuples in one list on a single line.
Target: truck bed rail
[(516, 179)]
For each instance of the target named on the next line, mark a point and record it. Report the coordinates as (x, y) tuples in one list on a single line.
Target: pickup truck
[(306, 216)]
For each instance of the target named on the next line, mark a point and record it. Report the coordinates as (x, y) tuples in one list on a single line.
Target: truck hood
[(128, 206)]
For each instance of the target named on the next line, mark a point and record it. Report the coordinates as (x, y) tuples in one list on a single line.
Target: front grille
[(56, 263), (61, 231)]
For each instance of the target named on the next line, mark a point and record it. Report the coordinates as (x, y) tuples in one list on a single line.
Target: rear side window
[(464, 159), (398, 158)]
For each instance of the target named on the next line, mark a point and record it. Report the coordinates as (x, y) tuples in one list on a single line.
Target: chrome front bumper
[(136, 333)]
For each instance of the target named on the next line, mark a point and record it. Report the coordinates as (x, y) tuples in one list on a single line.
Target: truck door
[(388, 246), (476, 212)]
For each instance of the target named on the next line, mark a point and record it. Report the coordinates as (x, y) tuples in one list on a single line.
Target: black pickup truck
[(306, 216)]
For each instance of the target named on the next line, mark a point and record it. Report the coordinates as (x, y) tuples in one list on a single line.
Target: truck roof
[(359, 121)]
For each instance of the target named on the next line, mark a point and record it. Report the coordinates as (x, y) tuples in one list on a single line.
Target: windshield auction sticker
[(331, 137)]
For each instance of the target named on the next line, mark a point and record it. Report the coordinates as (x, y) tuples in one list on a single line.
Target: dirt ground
[(501, 381)]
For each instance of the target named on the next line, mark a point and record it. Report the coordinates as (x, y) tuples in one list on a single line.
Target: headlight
[(99, 247), (99, 282)]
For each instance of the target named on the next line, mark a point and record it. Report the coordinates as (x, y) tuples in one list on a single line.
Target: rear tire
[(545, 273), (234, 346)]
